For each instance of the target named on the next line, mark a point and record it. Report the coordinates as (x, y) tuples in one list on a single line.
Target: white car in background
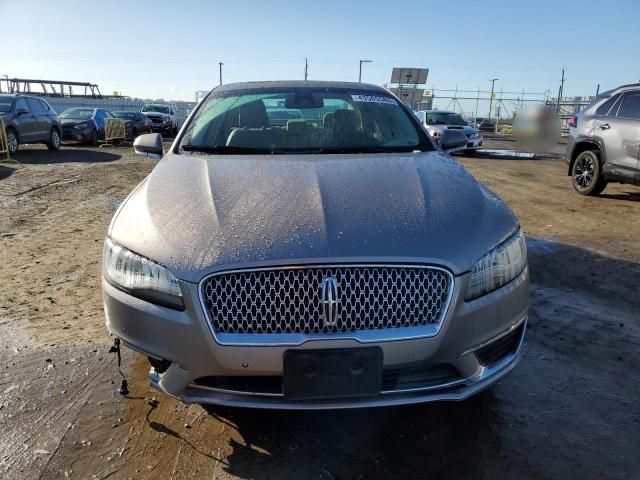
[(437, 121), (163, 118)]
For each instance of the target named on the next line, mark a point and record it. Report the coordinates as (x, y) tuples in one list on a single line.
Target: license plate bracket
[(332, 373)]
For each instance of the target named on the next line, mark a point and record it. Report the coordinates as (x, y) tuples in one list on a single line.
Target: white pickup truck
[(163, 118)]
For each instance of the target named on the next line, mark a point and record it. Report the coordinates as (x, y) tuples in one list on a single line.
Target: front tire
[(13, 142), (586, 174), (54, 140)]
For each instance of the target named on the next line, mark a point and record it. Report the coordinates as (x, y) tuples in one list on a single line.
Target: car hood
[(159, 114), (466, 128), (198, 214)]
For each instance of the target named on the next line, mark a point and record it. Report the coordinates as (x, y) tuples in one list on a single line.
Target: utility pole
[(560, 92), (220, 64), (598, 90), (475, 114), (498, 113), (493, 82), (306, 68), (360, 74)]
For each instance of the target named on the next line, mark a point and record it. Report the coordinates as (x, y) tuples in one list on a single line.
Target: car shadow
[(392, 442), (65, 155), (6, 171), (627, 196)]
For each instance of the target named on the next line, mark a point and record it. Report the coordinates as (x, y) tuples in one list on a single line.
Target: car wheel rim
[(584, 172), (13, 143), (55, 139)]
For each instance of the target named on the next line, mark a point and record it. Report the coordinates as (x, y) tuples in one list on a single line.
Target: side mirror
[(149, 145), (452, 140), (22, 111)]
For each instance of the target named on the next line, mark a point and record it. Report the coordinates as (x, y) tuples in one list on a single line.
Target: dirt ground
[(569, 410)]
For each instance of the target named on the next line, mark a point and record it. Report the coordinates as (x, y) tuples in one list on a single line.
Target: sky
[(170, 49)]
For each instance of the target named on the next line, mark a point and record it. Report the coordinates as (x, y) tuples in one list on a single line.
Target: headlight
[(475, 135), (140, 277), (80, 126), (498, 267), (165, 119)]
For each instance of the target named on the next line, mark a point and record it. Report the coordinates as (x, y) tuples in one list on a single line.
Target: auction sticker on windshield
[(373, 99)]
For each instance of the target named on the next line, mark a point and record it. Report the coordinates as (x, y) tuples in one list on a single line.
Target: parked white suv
[(604, 141), (163, 118), (437, 121)]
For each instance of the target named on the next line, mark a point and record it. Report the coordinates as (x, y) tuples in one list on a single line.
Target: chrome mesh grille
[(289, 300)]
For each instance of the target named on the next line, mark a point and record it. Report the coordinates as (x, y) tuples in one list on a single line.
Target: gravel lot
[(569, 410)]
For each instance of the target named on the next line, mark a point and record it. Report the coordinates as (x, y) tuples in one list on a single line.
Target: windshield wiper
[(225, 149)]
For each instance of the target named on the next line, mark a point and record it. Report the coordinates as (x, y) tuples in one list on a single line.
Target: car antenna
[(115, 348)]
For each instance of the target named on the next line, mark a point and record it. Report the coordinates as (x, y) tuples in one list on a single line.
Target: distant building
[(200, 94)]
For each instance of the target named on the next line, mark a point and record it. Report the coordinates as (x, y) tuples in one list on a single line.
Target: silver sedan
[(342, 259)]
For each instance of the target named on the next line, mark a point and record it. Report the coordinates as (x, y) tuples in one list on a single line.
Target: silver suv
[(604, 141)]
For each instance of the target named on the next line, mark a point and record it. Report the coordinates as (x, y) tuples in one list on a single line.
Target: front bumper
[(77, 135), (185, 339), (474, 143), (161, 127)]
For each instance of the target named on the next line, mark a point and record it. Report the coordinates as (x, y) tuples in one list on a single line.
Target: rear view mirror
[(452, 140), (303, 100), (149, 145)]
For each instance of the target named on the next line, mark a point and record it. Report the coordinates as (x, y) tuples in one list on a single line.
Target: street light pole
[(360, 74), (220, 64), (306, 68), (493, 82)]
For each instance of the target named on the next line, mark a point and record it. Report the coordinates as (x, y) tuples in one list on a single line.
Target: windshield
[(156, 108), (444, 118), (5, 104), (303, 120), (77, 113), (125, 115)]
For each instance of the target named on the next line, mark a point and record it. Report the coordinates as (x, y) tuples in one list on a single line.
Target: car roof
[(93, 109), (18, 95), (621, 88), (365, 87)]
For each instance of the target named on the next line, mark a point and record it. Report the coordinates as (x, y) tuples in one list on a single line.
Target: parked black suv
[(29, 120), (604, 141)]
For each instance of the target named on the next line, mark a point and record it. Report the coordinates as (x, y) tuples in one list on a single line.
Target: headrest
[(345, 120), (253, 114)]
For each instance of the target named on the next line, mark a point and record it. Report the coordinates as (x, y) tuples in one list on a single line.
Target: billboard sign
[(411, 76)]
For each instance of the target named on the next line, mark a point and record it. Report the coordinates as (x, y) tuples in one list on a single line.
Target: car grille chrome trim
[(284, 305)]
